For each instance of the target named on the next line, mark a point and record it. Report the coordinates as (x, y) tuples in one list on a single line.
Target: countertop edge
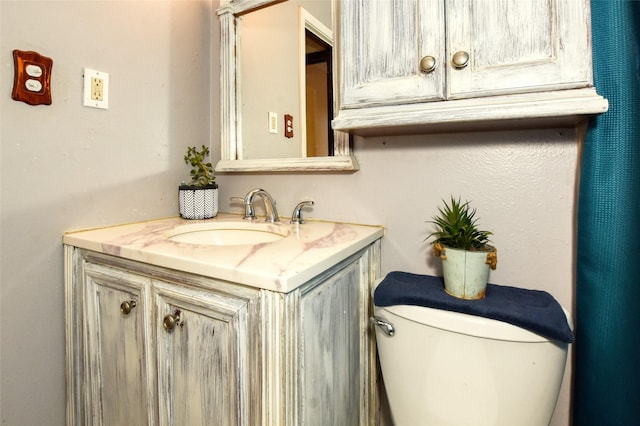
[(283, 282)]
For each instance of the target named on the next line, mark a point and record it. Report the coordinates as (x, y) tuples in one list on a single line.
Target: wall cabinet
[(428, 62), (148, 345)]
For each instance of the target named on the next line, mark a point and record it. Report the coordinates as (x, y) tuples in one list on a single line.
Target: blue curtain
[(607, 348)]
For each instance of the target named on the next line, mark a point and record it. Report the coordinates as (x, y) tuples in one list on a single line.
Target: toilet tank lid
[(532, 310), (469, 325)]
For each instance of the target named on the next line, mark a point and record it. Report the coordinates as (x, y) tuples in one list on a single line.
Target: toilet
[(448, 368)]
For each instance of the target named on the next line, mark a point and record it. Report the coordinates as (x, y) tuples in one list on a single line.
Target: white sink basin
[(228, 233)]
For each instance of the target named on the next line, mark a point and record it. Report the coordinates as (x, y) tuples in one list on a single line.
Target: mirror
[(255, 135)]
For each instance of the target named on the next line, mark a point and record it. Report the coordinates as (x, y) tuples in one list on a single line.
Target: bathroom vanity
[(221, 321)]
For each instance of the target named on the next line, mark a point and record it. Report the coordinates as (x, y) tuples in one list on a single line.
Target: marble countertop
[(282, 265)]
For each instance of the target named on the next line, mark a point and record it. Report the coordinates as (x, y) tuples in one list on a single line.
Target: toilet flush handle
[(387, 327)]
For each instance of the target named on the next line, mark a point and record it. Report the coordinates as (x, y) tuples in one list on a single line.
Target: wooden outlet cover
[(31, 78), (288, 125)]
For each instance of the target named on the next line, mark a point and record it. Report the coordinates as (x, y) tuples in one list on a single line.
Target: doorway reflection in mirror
[(286, 69)]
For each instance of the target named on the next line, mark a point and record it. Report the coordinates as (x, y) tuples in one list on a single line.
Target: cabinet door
[(381, 46), (517, 46), (119, 390), (202, 359), (332, 352)]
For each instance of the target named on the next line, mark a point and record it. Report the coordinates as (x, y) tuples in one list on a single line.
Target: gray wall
[(523, 184), (66, 167)]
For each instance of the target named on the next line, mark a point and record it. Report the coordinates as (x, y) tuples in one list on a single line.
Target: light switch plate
[(96, 89)]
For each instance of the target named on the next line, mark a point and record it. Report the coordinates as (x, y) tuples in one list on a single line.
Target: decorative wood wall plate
[(31, 78)]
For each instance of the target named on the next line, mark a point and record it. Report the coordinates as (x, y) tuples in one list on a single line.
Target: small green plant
[(457, 227), (202, 171)]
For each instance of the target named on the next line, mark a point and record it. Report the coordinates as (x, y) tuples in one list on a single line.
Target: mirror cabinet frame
[(230, 16)]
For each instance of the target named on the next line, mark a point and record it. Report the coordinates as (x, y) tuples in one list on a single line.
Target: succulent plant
[(456, 227), (202, 171)]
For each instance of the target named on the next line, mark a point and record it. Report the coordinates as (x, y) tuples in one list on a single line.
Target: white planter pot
[(466, 273), (198, 202)]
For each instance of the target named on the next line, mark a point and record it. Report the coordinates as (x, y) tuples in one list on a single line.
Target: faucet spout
[(270, 209)]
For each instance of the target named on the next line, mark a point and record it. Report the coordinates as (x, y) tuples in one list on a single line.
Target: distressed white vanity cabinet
[(135, 326), (421, 64), (157, 333)]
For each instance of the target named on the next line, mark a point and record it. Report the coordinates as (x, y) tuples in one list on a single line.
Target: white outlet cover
[(273, 122), (87, 101)]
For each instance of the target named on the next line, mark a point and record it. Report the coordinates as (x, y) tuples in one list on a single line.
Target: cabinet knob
[(460, 59), (170, 321), (427, 64), (127, 306)]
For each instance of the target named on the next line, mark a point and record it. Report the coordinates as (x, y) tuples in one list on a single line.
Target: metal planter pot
[(466, 273)]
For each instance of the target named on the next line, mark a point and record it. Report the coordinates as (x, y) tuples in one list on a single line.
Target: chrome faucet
[(269, 205), (296, 216)]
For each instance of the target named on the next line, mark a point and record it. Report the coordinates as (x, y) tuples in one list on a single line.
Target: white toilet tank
[(446, 368)]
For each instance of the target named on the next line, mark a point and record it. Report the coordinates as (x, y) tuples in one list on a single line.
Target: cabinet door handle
[(127, 306), (460, 59), (427, 64), (170, 321)]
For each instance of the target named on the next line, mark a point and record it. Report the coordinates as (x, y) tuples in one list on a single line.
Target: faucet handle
[(296, 216), (249, 214)]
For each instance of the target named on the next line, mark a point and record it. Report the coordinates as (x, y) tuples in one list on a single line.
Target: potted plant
[(199, 198), (464, 249)]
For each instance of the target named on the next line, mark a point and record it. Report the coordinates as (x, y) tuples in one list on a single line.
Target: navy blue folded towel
[(533, 310)]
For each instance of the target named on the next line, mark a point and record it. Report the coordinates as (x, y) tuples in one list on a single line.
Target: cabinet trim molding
[(525, 110)]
